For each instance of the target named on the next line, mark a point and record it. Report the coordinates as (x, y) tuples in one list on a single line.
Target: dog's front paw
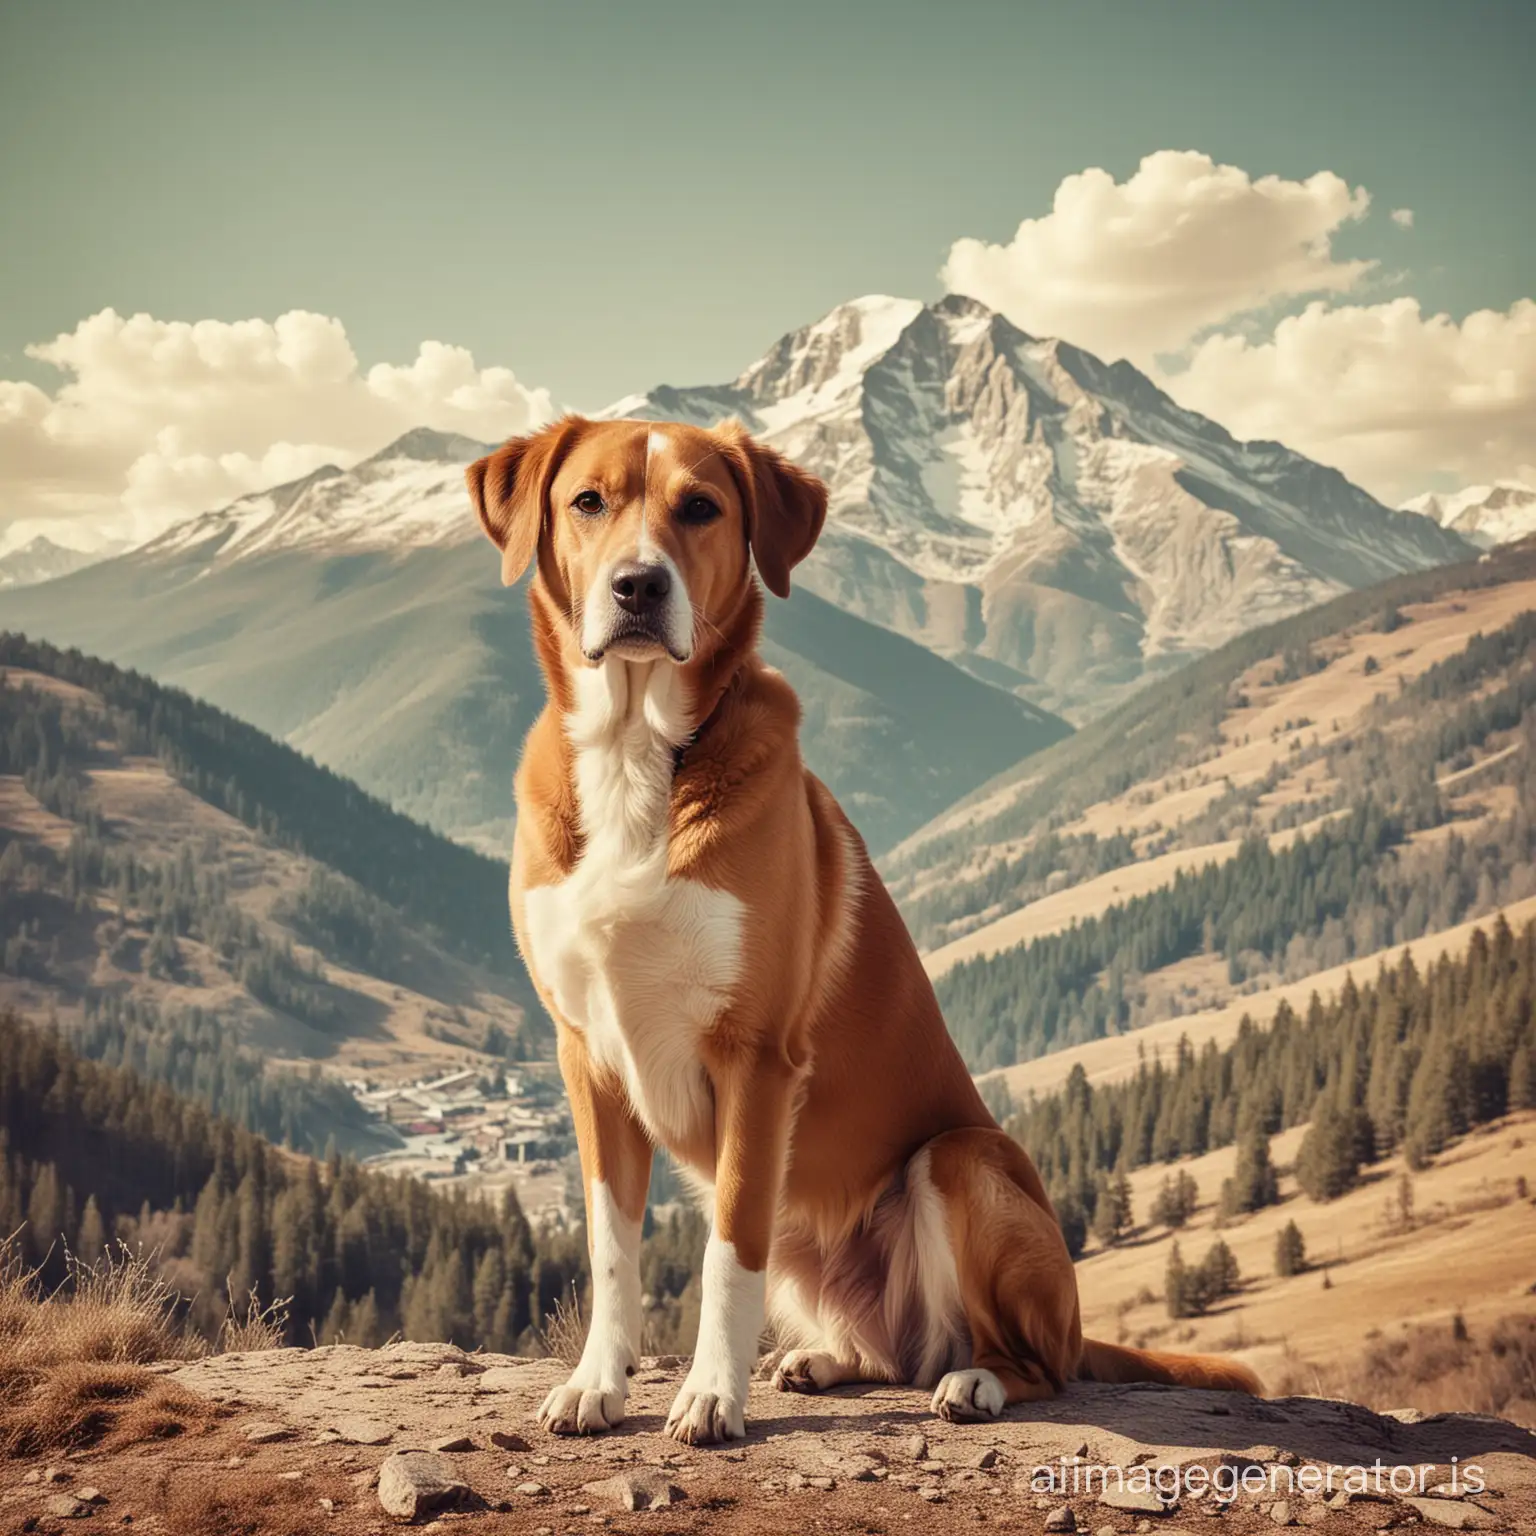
[(807, 1370), (578, 1410), (962, 1397), (706, 1418)]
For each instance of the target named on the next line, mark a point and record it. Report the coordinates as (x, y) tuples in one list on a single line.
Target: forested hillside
[(459, 895), (91, 1155), (201, 903), (980, 856), (1350, 783), (1411, 1060)]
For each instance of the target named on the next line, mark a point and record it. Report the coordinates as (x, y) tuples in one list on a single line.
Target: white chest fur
[(641, 964)]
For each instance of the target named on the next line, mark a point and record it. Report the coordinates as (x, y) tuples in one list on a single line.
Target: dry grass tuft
[(72, 1362), (97, 1403), (116, 1311), (250, 1325), (1436, 1368), (565, 1332)]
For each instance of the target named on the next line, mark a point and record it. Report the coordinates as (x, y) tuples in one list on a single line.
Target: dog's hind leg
[(1017, 1287)]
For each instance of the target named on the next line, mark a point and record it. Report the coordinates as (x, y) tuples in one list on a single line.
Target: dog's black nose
[(640, 589)]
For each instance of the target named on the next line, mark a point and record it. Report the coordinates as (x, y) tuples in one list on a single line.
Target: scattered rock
[(56, 1474), (933, 1495), (265, 1431), (1282, 1513), (505, 1440), (453, 1443), (289, 1477), (984, 1461), (1454, 1515), (825, 1484), (1136, 1501), (90, 1495), (1061, 1519), (353, 1429), (65, 1506), (933, 1468), (916, 1447), (532, 1490), (413, 1483), (637, 1490)]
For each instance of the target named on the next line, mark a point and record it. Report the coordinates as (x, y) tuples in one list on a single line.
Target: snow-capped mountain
[(1055, 524), (1052, 521), (1485, 514), (42, 560), (407, 495)]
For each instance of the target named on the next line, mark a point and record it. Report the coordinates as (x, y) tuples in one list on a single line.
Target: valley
[(192, 936)]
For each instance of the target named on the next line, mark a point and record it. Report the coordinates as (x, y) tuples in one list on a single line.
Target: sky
[(238, 241)]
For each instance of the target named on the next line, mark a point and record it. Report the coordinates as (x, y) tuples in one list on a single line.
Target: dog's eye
[(698, 509), (589, 503)]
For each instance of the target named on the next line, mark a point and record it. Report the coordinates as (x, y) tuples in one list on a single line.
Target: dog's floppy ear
[(785, 506), (511, 487)]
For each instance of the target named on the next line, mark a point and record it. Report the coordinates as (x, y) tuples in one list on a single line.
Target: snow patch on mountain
[(1486, 514), (41, 559)]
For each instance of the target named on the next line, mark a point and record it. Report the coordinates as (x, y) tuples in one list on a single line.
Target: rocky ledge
[(352, 1441)]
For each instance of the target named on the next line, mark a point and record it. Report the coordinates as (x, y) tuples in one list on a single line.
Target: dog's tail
[(1116, 1362)]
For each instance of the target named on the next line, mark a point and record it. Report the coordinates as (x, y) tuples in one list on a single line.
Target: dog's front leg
[(753, 1098), (615, 1174)]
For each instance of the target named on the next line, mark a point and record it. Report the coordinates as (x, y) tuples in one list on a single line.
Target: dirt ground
[(869, 1460)]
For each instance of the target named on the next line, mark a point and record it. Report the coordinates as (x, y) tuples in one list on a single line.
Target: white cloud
[(1141, 267), (1395, 398), (1184, 269), (157, 419)]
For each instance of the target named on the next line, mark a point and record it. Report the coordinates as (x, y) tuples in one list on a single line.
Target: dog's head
[(642, 531)]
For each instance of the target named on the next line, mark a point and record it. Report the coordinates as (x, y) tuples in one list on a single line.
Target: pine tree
[(1177, 1199), (92, 1240), (1328, 1162), (489, 1287), (1219, 1274), (1254, 1183), (1290, 1251), (334, 1329), (1176, 1285)]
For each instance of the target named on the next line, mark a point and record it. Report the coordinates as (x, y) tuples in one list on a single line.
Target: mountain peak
[(1486, 514), (429, 446)]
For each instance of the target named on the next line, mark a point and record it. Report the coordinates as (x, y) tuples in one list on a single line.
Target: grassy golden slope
[(386, 1028), (1469, 1250), (1256, 740)]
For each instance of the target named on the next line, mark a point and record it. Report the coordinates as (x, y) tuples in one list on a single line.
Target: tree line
[(1411, 1060), (453, 892)]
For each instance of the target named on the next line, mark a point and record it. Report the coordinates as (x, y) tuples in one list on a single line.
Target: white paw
[(964, 1396), (703, 1418), (807, 1370), (578, 1410)]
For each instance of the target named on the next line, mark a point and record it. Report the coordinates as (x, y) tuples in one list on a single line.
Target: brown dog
[(729, 978)]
